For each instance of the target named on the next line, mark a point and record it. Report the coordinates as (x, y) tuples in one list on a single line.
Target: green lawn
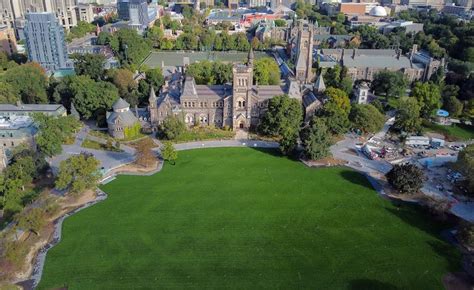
[(453, 132), (91, 144), (247, 219), (204, 133)]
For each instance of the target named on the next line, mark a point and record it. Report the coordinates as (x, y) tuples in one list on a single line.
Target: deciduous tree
[(78, 173), (406, 178), (30, 81), (366, 118), (316, 139), (168, 152), (428, 96), (408, 115), (390, 84)]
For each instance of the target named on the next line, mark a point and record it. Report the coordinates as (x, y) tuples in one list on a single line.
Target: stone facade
[(121, 119), (237, 106)]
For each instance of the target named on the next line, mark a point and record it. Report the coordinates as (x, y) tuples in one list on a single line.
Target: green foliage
[(390, 84), (366, 118), (172, 128), (465, 164), (406, 178), (168, 152), (54, 131), (154, 77), (90, 96), (33, 220), (266, 71), (280, 23), (371, 38), (130, 47), (428, 96), (91, 65), (453, 106), (80, 30), (8, 94), (408, 115), (133, 131), (30, 81), (316, 139), (335, 111), (378, 105), (198, 133), (210, 73), (78, 173), (283, 119)]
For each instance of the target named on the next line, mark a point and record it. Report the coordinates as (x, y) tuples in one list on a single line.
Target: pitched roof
[(120, 104), (319, 86)]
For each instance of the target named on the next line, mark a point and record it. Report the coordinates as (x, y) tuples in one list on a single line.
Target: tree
[(53, 131), (30, 81), (428, 96), (130, 47), (408, 115), (154, 77), (283, 119), (390, 84), (266, 71), (172, 128), (145, 155), (405, 178), (169, 153), (377, 104), (335, 111), (453, 106), (465, 164), (210, 73), (155, 35), (123, 80), (316, 139), (366, 118), (90, 96), (89, 64), (32, 220), (8, 94), (78, 173), (332, 77)]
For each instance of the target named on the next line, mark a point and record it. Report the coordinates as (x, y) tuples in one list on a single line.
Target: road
[(108, 159)]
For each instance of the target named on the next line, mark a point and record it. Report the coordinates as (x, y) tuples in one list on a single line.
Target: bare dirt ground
[(36, 242)]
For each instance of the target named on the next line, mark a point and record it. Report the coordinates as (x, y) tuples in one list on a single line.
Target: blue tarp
[(442, 113)]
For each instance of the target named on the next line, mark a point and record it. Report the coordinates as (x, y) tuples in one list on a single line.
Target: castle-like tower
[(304, 48), (241, 97)]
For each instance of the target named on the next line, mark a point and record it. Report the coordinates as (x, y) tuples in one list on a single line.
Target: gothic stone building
[(240, 105)]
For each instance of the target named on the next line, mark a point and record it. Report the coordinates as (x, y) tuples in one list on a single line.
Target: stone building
[(121, 119), (237, 106)]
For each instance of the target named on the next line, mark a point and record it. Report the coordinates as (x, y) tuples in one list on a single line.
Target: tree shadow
[(356, 178), (370, 284), (275, 152)]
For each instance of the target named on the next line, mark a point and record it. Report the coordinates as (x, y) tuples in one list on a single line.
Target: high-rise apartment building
[(138, 10), (45, 41), (13, 12)]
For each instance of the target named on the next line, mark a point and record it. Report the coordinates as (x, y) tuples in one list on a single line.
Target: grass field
[(247, 219), (454, 132)]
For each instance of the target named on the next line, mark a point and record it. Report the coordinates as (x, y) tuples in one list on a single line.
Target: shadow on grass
[(370, 284), (276, 153), (419, 218), (356, 178)]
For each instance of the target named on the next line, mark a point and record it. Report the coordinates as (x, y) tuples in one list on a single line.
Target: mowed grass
[(247, 219)]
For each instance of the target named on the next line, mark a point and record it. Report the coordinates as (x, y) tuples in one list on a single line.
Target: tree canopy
[(54, 131), (91, 65), (316, 139), (78, 173), (335, 111), (366, 118), (266, 71), (210, 73), (171, 128), (29, 81), (283, 119), (428, 96), (390, 84), (406, 178), (408, 115)]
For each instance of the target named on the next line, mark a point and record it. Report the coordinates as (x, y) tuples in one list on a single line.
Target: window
[(243, 104)]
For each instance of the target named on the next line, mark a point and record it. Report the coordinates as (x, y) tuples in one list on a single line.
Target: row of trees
[(284, 118)]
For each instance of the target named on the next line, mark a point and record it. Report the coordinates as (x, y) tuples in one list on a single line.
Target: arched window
[(240, 104), (243, 104)]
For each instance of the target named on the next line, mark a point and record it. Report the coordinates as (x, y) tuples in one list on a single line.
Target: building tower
[(152, 109), (362, 93), (304, 49), (45, 41), (242, 83)]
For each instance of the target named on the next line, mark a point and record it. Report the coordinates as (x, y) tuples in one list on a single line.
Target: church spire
[(152, 97), (251, 57), (319, 86)]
